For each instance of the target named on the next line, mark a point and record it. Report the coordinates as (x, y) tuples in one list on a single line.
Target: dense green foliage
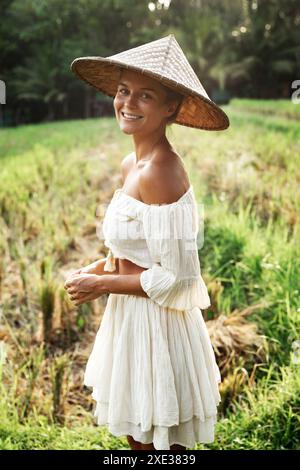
[(250, 47)]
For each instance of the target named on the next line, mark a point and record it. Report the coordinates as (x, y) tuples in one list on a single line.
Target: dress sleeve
[(174, 280)]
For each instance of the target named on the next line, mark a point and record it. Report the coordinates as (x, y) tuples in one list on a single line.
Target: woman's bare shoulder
[(163, 180), (126, 164)]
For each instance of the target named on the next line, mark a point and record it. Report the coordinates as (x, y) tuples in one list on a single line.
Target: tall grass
[(53, 179)]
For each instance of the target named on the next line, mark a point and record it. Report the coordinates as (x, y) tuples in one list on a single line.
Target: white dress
[(152, 367)]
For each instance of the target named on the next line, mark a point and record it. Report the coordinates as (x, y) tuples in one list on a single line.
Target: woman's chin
[(128, 129)]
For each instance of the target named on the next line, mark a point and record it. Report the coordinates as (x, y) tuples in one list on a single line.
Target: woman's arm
[(123, 284), (86, 287), (96, 268)]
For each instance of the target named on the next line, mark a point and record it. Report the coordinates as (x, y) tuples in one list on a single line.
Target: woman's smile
[(130, 116)]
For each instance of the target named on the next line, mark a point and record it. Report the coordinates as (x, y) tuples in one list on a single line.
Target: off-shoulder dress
[(152, 368)]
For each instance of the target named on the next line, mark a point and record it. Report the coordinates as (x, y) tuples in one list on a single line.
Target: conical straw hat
[(164, 60)]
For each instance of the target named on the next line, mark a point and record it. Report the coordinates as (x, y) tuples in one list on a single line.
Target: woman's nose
[(130, 100)]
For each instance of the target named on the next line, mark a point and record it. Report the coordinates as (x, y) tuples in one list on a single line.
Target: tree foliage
[(249, 47)]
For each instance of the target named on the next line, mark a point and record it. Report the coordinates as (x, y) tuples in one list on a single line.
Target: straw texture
[(164, 60)]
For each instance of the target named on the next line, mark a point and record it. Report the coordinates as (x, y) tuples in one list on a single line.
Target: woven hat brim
[(196, 110)]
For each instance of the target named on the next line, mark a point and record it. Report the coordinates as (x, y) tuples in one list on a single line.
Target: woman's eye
[(145, 95)]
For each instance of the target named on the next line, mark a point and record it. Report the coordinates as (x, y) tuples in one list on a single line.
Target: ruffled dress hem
[(162, 436)]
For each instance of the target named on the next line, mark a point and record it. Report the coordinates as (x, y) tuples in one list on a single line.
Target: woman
[(152, 367)]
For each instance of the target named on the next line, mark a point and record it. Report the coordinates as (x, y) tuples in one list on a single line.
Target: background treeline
[(242, 48)]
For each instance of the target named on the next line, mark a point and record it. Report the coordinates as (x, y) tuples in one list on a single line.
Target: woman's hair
[(172, 95)]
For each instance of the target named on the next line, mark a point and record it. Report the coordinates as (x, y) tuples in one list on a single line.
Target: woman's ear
[(172, 107)]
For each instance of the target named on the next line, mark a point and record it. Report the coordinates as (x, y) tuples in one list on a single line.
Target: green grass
[(267, 418), (55, 176), (283, 108)]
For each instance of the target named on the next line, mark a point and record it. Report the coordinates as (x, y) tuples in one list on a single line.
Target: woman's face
[(140, 105)]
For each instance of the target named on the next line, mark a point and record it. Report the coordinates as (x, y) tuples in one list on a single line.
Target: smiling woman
[(152, 367), (170, 96), (144, 101)]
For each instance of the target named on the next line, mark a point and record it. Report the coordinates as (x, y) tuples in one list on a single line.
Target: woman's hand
[(97, 267), (85, 287), (75, 273), (89, 269)]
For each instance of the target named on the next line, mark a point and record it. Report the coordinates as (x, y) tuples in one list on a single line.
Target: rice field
[(55, 180)]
